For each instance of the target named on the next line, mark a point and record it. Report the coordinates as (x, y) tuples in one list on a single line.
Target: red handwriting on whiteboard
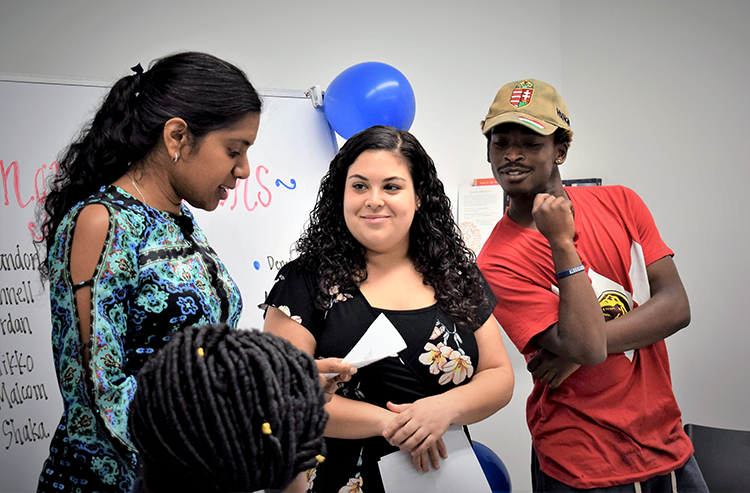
[(253, 193), (14, 187), (16, 183), (40, 190)]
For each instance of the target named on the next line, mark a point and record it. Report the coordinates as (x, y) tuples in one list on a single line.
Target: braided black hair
[(203, 401), (328, 249)]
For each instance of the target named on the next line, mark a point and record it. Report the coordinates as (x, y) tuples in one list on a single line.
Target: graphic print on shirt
[(613, 298)]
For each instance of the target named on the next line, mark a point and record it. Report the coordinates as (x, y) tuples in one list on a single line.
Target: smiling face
[(380, 201), (205, 172), (523, 161)]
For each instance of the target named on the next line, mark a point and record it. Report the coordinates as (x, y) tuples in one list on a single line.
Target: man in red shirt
[(587, 291)]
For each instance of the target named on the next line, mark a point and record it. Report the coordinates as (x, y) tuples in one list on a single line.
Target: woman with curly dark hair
[(126, 263), (382, 240)]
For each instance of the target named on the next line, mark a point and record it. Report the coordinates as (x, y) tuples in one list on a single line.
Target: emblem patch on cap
[(522, 93)]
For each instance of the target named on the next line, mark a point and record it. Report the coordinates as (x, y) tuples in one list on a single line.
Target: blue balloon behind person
[(367, 94), (494, 469)]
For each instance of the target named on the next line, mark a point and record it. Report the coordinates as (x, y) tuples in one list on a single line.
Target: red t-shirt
[(617, 422)]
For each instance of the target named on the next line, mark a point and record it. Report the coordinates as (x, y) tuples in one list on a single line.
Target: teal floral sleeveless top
[(157, 274)]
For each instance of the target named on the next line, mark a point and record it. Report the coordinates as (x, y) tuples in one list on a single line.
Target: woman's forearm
[(355, 419), (488, 392)]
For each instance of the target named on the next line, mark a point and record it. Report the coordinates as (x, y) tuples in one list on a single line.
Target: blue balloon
[(494, 469), (367, 94)]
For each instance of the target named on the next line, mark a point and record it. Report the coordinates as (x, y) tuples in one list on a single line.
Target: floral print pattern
[(351, 391), (457, 369), (453, 363), (286, 311), (439, 356), (310, 476), (107, 469), (157, 273), (436, 357), (337, 297), (353, 486)]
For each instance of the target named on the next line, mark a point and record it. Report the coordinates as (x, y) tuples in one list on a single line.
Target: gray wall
[(660, 92), (657, 93)]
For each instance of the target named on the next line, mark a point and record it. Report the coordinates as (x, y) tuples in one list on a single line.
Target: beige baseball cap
[(529, 102)]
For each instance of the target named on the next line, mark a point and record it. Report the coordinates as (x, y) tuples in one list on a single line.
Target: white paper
[(479, 209), (459, 472), (380, 341)]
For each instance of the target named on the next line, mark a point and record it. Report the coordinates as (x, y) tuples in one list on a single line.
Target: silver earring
[(176, 156)]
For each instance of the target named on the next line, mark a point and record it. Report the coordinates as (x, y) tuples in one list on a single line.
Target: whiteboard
[(252, 231)]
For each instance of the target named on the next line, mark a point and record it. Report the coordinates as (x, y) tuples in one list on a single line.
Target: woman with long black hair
[(126, 262)]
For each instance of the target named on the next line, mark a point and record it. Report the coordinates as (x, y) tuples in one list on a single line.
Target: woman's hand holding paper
[(338, 371)]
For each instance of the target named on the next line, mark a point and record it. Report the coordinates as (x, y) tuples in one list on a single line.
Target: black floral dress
[(440, 355)]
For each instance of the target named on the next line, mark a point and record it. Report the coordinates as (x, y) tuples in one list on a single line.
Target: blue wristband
[(570, 272)]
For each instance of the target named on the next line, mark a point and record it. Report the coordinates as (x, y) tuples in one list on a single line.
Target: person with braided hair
[(126, 262), (220, 410), (382, 240)]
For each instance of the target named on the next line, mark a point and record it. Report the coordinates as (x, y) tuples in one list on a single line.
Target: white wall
[(657, 93)]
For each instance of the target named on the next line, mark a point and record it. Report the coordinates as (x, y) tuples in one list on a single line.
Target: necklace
[(143, 199)]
